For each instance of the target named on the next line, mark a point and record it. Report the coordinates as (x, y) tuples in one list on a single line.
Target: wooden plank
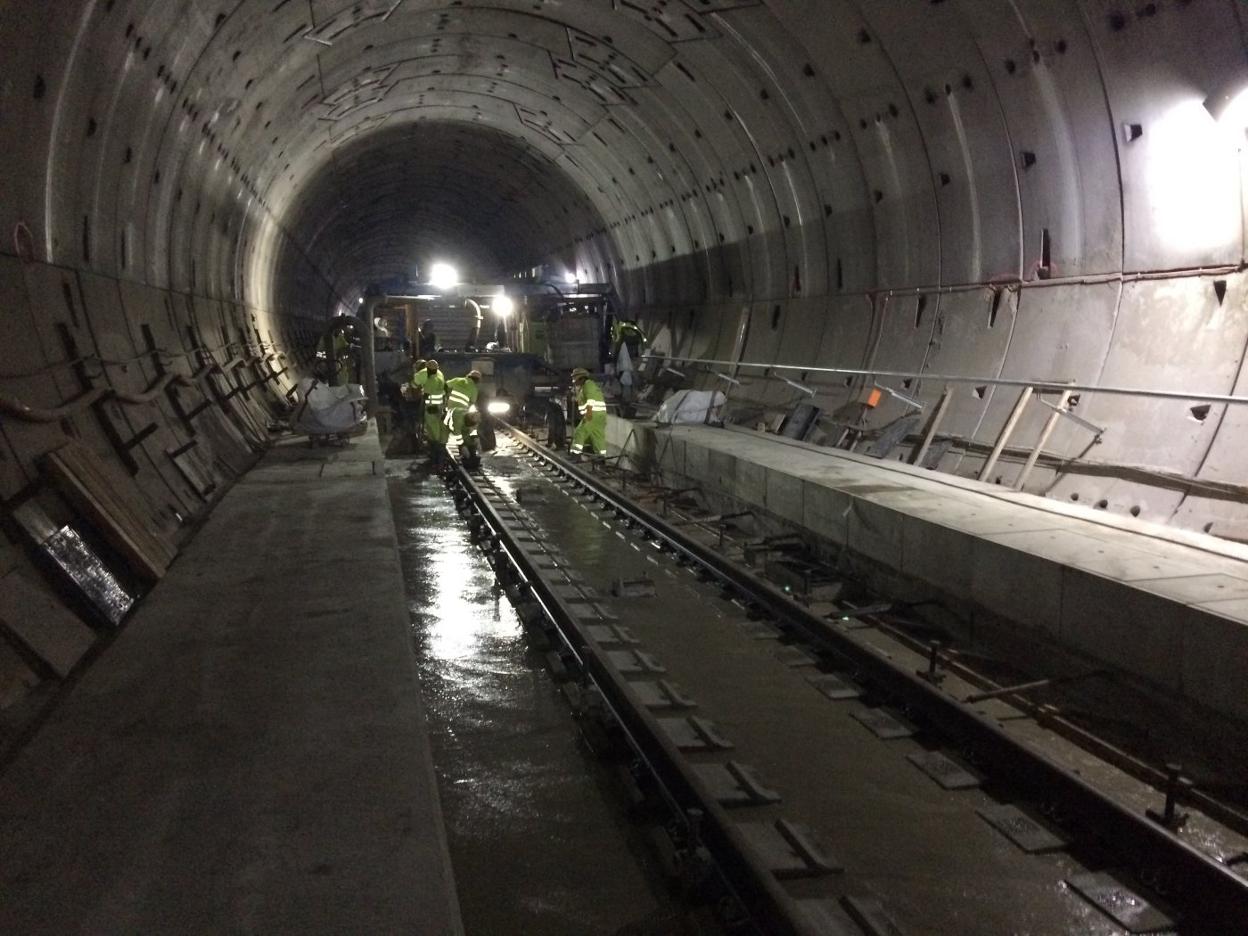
[(112, 493), (96, 496), (124, 494)]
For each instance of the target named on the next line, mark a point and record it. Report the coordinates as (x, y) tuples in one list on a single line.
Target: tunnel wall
[(124, 323), (1028, 191)]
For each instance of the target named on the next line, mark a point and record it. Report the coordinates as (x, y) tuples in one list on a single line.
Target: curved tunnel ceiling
[(1024, 189), (398, 199), (804, 147)]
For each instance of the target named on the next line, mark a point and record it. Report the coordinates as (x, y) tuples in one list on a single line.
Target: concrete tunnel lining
[(1036, 190)]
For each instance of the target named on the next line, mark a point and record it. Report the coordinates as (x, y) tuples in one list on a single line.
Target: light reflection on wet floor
[(538, 843)]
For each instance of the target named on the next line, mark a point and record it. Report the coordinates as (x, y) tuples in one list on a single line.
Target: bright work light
[(503, 305), (498, 407), (443, 276)]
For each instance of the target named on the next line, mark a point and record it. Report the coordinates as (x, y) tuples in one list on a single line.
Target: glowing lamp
[(443, 276)]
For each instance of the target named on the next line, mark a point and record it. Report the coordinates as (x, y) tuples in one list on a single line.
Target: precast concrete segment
[(250, 754), (1151, 601), (935, 863)]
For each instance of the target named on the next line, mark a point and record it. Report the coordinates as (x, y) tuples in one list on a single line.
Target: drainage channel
[(836, 789), (540, 840)]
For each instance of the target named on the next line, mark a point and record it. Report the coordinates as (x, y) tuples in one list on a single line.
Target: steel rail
[(760, 894), (1040, 386), (1211, 893)]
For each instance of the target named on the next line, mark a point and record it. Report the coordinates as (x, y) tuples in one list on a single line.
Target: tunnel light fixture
[(503, 305), (727, 379), (443, 276), (498, 408)]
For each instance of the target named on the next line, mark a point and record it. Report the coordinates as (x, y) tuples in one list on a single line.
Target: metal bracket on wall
[(1098, 431), (171, 391), (87, 382), (1059, 409)]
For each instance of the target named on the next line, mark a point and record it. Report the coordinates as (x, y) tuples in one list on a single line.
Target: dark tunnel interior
[(398, 199), (945, 204)]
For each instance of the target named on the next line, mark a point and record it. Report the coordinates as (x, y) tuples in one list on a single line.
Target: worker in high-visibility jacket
[(336, 345), (591, 431), (431, 384), (413, 408), (630, 334), (461, 394)]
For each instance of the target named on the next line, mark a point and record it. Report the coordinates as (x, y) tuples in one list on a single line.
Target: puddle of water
[(538, 843)]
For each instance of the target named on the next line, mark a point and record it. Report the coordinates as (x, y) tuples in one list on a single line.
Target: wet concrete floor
[(539, 837)]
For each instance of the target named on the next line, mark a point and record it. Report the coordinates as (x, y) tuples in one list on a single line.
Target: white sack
[(323, 409), (691, 406)]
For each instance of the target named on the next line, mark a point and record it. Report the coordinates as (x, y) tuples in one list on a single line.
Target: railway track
[(820, 778)]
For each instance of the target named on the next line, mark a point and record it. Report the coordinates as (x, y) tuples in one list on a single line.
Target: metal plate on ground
[(795, 657), (883, 724), (869, 913), (573, 591), (735, 784), (634, 661), (944, 770), (835, 687), (788, 849), (694, 734), (1121, 904), (661, 695), (633, 588), (1025, 832), (611, 634)]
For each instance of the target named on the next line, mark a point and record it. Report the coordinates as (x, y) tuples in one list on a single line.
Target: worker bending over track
[(461, 426), (592, 428), (431, 384), (629, 333)]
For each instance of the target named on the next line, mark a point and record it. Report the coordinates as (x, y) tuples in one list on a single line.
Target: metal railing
[(1041, 385)]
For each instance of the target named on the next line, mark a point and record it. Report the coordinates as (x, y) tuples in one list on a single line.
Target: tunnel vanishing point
[(971, 204)]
